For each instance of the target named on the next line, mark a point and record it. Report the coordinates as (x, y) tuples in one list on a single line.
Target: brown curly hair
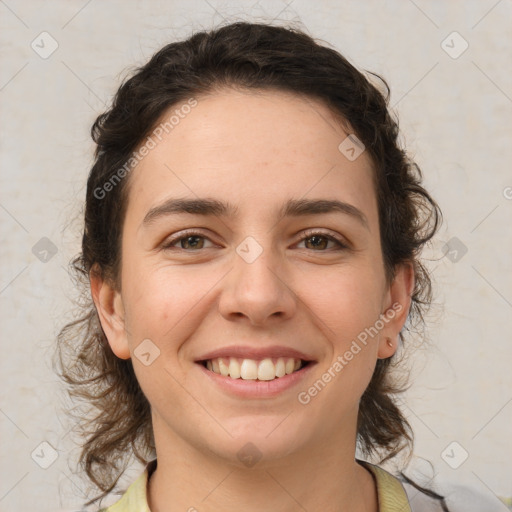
[(248, 56)]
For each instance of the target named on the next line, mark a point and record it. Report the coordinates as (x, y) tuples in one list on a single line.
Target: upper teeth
[(250, 369)]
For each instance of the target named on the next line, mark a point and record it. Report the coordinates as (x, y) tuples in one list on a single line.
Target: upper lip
[(246, 352)]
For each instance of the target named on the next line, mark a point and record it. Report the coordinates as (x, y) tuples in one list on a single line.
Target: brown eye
[(190, 241), (319, 241), (193, 242)]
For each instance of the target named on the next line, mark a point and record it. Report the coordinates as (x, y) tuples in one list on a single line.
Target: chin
[(259, 441)]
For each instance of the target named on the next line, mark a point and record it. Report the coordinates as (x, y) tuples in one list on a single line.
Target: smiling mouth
[(253, 369)]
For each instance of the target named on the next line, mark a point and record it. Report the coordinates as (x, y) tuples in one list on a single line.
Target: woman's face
[(270, 270)]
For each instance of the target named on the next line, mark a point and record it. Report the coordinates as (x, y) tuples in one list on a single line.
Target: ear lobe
[(397, 305), (110, 309)]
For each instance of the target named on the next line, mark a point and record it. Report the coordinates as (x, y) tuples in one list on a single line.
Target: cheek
[(165, 306), (163, 303), (349, 301), (350, 306)]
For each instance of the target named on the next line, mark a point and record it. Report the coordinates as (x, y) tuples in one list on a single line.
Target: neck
[(317, 479)]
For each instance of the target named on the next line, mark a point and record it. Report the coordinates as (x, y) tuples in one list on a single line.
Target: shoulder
[(395, 493), (420, 501), (450, 497), (135, 497), (390, 491)]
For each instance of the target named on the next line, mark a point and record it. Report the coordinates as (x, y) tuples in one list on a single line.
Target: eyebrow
[(209, 206)]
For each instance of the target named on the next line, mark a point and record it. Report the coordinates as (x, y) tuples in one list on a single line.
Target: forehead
[(255, 149)]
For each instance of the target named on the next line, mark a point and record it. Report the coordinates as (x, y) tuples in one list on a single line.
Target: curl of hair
[(247, 56)]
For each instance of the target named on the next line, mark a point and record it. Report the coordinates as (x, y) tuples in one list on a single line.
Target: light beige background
[(455, 114)]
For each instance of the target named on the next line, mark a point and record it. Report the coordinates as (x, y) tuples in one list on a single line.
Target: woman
[(251, 241)]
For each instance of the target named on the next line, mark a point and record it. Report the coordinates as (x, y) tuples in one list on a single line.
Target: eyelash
[(307, 234)]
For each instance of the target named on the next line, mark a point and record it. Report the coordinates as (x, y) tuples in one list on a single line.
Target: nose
[(259, 291)]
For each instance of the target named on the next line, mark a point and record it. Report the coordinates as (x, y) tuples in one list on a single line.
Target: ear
[(110, 309), (397, 303)]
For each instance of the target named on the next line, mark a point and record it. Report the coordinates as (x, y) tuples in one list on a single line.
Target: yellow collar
[(390, 491)]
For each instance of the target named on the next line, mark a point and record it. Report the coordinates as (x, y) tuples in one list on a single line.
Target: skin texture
[(254, 150)]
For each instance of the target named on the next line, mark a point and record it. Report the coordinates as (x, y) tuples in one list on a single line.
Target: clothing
[(392, 496)]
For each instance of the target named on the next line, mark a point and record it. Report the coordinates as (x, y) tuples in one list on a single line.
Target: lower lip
[(257, 388)]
